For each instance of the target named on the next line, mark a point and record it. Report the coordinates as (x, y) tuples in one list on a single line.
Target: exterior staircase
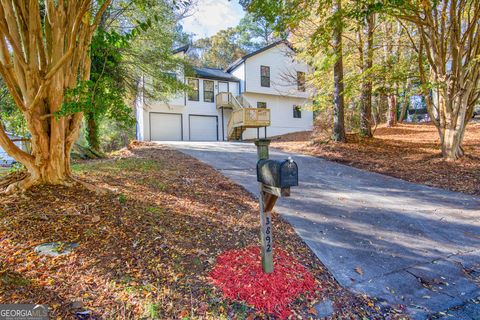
[(243, 115)]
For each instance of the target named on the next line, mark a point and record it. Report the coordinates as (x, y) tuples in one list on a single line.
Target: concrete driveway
[(397, 241)]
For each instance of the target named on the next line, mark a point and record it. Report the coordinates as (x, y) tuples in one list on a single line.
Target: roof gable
[(238, 62)]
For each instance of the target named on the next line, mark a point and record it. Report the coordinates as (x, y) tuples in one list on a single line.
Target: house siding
[(198, 108), (281, 97), (283, 72), (239, 72), (281, 110)]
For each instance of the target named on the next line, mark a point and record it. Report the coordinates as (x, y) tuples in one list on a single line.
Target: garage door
[(203, 128), (165, 127)]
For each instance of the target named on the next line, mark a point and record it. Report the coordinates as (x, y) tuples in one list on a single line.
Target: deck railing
[(228, 100), (256, 117), (223, 99), (244, 102), (249, 118)]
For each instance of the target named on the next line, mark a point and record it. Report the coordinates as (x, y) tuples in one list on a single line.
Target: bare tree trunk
[(403, 110), (381, 107), (404, 102), (375, 111), (92, 131), (390, 95), (339, 102), (367, 62), (452, 129), (392, 110)]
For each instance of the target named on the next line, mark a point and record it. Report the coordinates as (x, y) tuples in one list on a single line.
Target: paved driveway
[(400, 242)]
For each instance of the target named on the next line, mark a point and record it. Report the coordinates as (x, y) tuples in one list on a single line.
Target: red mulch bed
[(239, 275), (408, 151)]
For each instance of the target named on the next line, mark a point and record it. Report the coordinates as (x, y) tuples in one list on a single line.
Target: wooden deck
[(251, 117), (243, 115)]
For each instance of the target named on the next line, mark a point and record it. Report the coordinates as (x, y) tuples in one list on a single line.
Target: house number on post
[(275, 179), (268, 233)]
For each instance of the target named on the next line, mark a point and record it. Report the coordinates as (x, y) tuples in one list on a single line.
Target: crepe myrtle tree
[(449, 51), (44, 50)]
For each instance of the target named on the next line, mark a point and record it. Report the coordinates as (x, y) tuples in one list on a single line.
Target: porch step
[(236, 133)]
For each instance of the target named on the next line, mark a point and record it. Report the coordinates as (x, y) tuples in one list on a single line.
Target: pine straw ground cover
[(408, 151), (147, 250)]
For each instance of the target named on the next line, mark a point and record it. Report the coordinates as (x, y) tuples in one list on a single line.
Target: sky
[(211, 16)]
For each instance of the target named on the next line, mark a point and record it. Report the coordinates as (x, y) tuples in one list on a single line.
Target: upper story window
[(208, 94), (262, 105), (193, 93), (297, 112), (301, 81), (265, 76)]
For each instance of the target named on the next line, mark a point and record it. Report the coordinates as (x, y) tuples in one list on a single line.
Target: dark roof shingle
[(183, 49), (213, 73)]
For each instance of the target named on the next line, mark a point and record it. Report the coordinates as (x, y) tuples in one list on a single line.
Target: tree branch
[(9, 28), (12, 88), (13, 44), (409, 35), (99, 15), (14, 151), (71, 45)]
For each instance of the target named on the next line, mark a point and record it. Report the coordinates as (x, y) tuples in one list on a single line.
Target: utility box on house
[(277, 174)]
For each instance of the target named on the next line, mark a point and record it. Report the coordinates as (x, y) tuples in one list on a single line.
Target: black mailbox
[(278, 174)]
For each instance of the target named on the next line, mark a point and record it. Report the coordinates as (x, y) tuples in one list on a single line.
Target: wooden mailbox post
[(275, 179)]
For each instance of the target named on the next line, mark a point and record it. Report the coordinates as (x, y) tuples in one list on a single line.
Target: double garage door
[(169, 127)]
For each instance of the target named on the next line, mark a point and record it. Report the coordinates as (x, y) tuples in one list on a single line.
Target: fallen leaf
[(184, 313), (359, 270), (313, 311)]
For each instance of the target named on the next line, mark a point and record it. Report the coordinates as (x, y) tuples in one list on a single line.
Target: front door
[(222, 86)]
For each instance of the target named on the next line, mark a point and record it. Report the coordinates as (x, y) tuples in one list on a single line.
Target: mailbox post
[(265, 216), (275, 179)]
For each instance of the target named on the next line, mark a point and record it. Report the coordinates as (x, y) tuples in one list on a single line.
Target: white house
[(261, 93)]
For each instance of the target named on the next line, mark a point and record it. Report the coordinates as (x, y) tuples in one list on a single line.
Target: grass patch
[(7, 279), (152, 310), (118, 165), (159, 185), (4, 171), (156, 210), (122, 199)]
